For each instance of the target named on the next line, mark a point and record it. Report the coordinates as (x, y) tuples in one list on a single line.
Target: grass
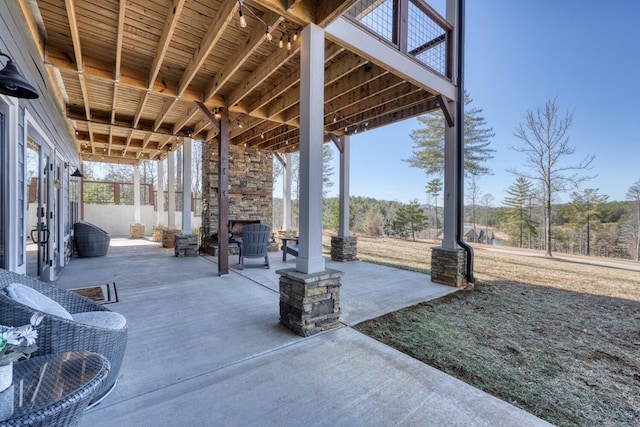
[(555, 337)]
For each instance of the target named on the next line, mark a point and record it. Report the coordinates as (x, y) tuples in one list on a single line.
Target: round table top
[(42, 381)]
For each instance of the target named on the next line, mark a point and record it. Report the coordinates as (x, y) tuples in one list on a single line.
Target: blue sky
[(519, 54)]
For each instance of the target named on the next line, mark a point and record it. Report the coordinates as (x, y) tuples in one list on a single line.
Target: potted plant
[(16, 342)]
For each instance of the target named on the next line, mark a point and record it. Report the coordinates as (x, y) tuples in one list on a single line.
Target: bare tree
[(545, 143)]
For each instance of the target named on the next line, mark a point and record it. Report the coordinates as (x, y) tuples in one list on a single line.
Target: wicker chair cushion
[(34, 299), (101, 319)]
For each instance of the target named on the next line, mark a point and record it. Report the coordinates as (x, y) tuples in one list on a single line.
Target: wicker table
[(52, 390)]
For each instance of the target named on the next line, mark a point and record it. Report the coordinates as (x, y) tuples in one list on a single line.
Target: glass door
[(41, 209)]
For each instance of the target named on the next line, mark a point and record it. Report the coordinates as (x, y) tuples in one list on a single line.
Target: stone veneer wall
[(250, 187)]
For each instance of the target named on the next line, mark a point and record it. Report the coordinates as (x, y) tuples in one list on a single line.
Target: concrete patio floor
[(209, 351)]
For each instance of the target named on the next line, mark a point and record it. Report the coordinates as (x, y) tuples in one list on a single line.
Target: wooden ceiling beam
[(293, 78), (182, 121), (256, 38), (301, 12), (129, 79), (97, 122), (260, 74), (170, 24), (208, 42), (328, 10)]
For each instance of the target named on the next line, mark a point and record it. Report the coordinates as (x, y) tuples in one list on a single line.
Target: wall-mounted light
[(77, 174), (13, 83)]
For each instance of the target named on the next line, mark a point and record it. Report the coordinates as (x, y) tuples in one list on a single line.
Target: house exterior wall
[(41, 120), (250, 187)]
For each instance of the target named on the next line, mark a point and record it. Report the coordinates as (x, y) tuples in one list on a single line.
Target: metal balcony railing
[(412, 26)]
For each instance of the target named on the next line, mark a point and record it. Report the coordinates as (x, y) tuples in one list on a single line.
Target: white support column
[(160, 197), (345, 158), (450, 185), (451, 174), (310, 258), (172, 190), (136, 194), (186, 186), (286, 192)]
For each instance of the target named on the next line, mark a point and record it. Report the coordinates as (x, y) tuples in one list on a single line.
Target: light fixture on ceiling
[(295, 36), (77, 174), (267, 34), (216, 113), (13, 83), (281, 42), (289, 43)]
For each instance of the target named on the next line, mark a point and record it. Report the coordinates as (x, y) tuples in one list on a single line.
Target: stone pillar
[(158, 232), (186, 245), (448, 266), (344, 248), (169, 237), (136, 231), (309, 303)]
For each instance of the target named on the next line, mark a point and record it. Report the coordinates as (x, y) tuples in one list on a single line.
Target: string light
[(289, 43), (243, 21), (267, 34), (295, 36), (281, 42)]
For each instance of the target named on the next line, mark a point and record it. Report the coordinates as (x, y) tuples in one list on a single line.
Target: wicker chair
[(90, 240), (255, 240), (56, 334)]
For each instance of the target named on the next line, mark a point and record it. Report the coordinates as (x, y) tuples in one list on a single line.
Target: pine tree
[(518, 222), (584, 212), (428, 151), (410, 219)]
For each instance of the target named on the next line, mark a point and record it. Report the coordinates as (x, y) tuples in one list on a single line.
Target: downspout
[(460, 141)]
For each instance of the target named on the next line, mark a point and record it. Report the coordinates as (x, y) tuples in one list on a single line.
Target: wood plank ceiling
[(139, 74)]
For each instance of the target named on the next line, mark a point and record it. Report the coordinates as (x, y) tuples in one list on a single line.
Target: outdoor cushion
[(101, 319), (34, 299)]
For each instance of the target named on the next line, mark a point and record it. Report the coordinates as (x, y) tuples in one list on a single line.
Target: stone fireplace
[(250, 190)]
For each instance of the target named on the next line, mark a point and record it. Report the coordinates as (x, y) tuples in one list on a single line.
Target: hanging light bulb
[(243, 21), (295, 36), (281, 42), (289, 43), (267, 34)]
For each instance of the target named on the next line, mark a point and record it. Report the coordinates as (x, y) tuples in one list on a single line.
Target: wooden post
[(223, 194)]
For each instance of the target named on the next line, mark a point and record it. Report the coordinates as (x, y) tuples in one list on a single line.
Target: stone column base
[(136, 231), (309, 303), (186, 245), (344, 248), (448, 266), (157, 232), (168, 238)]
